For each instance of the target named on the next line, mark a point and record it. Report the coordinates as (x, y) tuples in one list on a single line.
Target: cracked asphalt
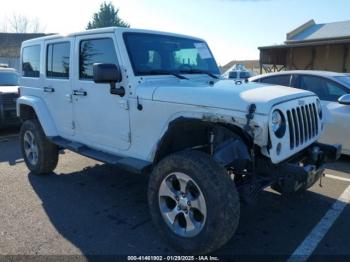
[(89, 208)]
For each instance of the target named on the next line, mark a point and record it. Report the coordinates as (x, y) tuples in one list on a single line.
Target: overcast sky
[(233, 28)]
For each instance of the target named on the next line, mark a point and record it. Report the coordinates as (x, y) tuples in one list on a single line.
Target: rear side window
[(95, 51), (325, 89), (57, 60), (283, 80), (31, 61)]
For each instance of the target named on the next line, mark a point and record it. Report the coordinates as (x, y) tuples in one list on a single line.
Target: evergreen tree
[(105, 17)]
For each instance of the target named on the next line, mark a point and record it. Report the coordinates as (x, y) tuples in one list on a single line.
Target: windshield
[(8, 79), (245, 74), (152, 54), (344, 79), (233, 74)]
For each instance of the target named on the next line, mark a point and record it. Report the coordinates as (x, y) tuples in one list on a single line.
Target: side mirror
[(108, 73), (344, 100)]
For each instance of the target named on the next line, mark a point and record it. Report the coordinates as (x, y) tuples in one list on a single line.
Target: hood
[(225, 94), (8, 89)]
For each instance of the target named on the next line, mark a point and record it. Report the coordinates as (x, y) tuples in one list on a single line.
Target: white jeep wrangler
[(153, 102)]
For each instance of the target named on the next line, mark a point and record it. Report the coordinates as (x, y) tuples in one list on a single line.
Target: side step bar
[(130, 164)]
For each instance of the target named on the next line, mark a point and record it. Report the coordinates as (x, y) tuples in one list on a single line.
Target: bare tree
[(22, 24), (19, 23)]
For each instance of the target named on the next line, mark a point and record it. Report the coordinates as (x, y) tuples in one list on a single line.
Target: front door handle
[(49, 89), (79, 93)]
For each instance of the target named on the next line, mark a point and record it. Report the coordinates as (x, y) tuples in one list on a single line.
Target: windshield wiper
[(199, 71), (162, 72)]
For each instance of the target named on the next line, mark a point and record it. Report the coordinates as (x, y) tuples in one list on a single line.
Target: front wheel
[(193, 202), (40, 155)]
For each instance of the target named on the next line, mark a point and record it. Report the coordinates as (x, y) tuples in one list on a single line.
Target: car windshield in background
[(153, 54), (233, 74), (245, 74), (344, 79), (8, 79)]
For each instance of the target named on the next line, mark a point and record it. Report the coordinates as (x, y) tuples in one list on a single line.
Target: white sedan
[(332, 88)]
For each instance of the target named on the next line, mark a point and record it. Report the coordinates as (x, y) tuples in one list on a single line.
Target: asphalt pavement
[(89, 208)]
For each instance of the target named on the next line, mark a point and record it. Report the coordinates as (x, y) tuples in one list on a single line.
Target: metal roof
[(312, 34), (317, 32)]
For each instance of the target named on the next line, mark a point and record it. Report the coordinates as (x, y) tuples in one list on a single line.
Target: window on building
[(57, 60), (31, 61), (95, 51)]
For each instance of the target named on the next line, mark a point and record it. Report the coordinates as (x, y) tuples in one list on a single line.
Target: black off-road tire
[(47, 151), (221, 197)]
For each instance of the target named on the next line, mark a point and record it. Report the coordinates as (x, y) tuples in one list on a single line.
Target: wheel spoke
[(197, 203), (183, 185), (172, 215), (166, 190), (27, 139), (27, 150), (190, 223), (35, 157)]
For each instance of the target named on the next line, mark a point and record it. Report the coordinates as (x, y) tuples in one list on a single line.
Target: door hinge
[(126, 137), (124, 104), (73, 125)]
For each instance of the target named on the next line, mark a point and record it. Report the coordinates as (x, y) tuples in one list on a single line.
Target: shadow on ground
[(103, 211), (9, 146)]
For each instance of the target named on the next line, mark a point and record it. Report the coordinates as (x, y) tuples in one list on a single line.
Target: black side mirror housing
[(108, 73)]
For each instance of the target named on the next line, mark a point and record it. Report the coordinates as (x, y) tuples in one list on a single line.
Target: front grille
[(8, 99), (303, 124)]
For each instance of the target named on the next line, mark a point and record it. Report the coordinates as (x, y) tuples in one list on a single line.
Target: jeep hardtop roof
[(104, 30)]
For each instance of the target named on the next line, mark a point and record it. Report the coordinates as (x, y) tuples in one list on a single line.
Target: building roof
[(310, 31), (312, 34)]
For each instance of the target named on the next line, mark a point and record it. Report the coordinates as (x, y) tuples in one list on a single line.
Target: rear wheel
[(40, 155), (193, 202)]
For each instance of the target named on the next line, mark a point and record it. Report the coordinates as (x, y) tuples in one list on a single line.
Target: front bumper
[(304, 169), (8, 117)]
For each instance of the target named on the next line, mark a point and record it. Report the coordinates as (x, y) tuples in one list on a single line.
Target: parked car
[(239, 74), (8, 97), (153, 103), (334, 91)]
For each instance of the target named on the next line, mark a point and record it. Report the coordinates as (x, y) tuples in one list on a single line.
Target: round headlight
[(278, 123), (319, 108)]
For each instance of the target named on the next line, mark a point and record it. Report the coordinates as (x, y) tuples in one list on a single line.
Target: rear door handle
[(49, 89), (79, 93)]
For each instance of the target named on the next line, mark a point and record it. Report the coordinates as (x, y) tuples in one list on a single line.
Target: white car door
[(57, 84), (336, 116), (101, 118)]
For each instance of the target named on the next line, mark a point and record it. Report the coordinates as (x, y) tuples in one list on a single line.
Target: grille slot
[(8, 99), (303, 124)]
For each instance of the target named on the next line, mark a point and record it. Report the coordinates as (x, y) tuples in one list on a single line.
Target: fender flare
[(41, 111)]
